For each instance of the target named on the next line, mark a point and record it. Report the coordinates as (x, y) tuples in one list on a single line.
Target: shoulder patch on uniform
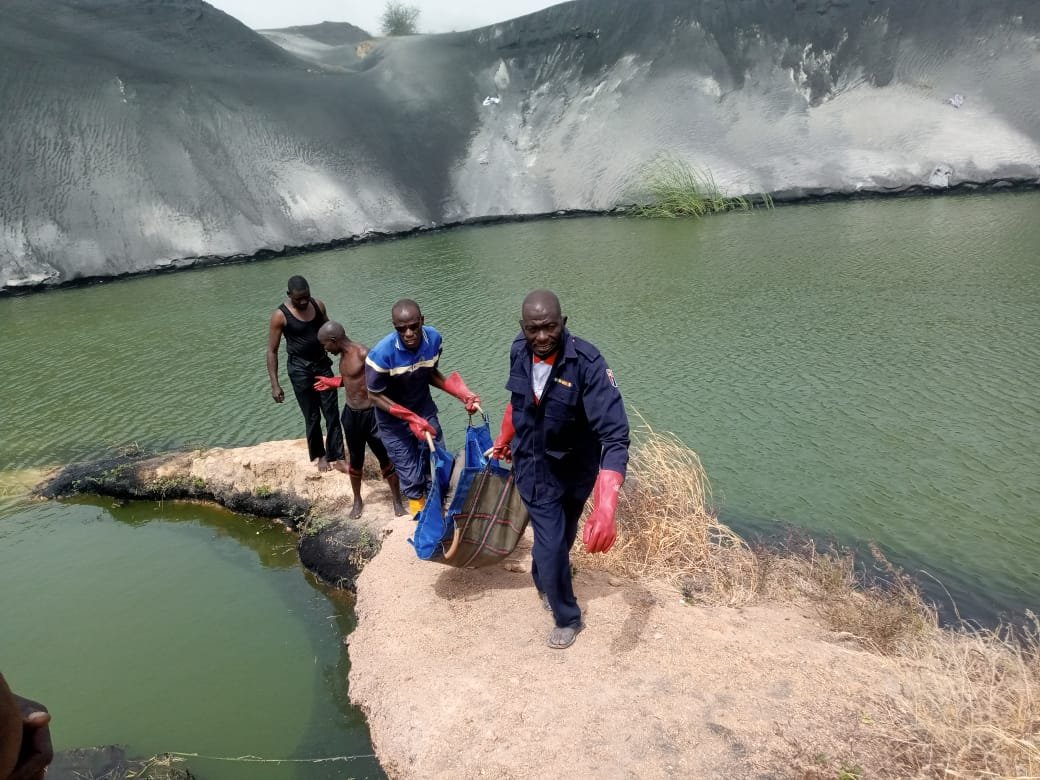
[(610, 377)]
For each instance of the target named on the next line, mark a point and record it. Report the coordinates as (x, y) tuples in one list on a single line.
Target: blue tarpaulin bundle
[(484, 517)]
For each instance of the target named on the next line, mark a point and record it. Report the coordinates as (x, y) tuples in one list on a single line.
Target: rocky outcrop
[(143, 135)]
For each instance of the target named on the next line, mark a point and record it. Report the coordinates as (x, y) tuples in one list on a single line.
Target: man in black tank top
[(298, 319)]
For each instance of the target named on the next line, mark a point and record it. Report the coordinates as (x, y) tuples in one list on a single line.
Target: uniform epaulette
[(518, 343), (585, 349)]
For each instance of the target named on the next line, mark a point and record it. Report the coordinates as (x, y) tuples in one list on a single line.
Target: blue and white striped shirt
[(402, 375)]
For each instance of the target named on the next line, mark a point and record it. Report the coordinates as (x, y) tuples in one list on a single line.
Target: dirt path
[(452, 668)]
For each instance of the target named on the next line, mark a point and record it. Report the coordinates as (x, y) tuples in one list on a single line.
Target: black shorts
[(359, 428)]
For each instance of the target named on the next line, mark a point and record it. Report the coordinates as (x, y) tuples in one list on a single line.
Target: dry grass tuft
[(667, 529), (969, 705), (884, 615), (972, 704)]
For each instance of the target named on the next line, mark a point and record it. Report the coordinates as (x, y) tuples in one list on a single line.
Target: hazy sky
[(436, 16)]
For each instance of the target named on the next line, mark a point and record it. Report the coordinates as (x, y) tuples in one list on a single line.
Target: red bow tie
[(550, 360)]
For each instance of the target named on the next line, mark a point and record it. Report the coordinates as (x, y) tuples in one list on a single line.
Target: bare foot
[(399, 509), (323, 464), (340, 466), (359, 505)]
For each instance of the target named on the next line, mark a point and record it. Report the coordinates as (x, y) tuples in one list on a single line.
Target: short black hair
[(298, 283), (404, 304)]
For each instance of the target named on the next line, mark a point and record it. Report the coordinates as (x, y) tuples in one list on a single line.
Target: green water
[(178, 628), (864, 370)]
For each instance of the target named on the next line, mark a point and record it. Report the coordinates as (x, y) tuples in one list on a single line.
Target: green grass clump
[(677, 189)]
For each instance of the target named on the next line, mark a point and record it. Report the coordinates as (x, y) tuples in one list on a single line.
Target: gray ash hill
[(147, 134), (331, 45), (328, 33)]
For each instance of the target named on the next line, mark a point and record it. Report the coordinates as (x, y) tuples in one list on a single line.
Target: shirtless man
[(359, 419)]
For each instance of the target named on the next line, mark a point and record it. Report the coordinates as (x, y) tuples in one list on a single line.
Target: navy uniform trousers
[(410, 456), (555, 526)]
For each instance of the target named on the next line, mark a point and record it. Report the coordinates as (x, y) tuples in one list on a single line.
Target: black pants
[(314, 405), (359, 429)]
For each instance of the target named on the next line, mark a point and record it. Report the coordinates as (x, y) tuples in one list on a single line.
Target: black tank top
[(301, 337)]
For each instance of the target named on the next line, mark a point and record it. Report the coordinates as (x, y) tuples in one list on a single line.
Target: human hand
[(499, 453), (501, 450), (277, 394), (324, 383), (419, 426), (36, 751), (600, 530)]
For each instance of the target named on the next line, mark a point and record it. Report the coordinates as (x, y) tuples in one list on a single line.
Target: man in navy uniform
[(566, 431), (399, 372)]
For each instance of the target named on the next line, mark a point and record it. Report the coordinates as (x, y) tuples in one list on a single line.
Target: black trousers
[(315, 405)]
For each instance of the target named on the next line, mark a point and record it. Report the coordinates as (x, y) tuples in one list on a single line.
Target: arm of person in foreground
[(606, 413), (274, 338), (25, 737)]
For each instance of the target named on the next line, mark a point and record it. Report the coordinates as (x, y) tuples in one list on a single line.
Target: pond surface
[(178, 628), (863, 370)]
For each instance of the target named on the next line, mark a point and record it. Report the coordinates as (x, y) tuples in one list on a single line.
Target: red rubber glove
[(501, 450), (454, 385), (328, 383), (419, 426), (601, 529)]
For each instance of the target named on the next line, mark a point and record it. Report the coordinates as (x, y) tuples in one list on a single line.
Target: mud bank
[(273, 480)]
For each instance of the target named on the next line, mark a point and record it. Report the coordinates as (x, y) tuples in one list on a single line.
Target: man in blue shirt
[(566, 431), (399, 371)]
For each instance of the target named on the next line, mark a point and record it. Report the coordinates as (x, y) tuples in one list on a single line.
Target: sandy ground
[(452, 668)]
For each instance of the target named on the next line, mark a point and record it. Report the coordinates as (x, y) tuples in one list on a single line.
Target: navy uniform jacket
[(578, 427)]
